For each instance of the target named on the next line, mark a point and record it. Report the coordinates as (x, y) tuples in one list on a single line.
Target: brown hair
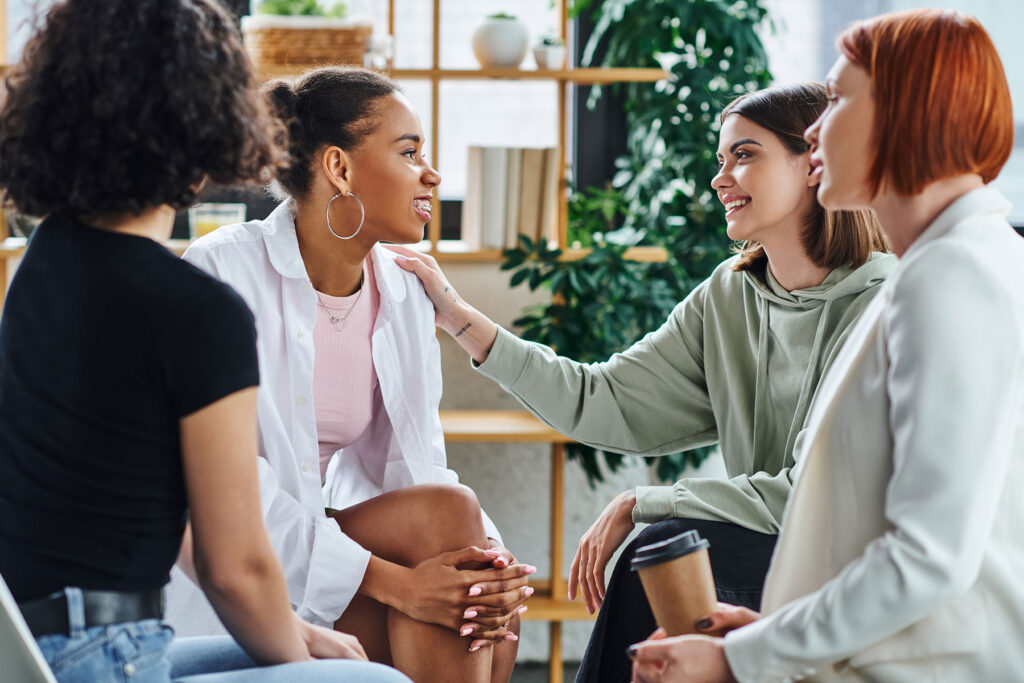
[(830, 238), (942, 103)]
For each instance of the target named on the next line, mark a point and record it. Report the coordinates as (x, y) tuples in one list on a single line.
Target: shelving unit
[(550, 603), (563, 79)]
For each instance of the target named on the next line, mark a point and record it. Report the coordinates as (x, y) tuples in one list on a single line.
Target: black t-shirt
[(106, 341)]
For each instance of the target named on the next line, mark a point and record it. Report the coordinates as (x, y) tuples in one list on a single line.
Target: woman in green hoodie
[(737, 363)]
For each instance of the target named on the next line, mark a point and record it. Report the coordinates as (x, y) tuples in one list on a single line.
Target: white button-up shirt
[(403, 445)]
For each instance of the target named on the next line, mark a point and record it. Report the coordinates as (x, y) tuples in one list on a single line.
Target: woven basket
[(275, 42)]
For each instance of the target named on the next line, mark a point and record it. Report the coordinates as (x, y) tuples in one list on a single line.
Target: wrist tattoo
[(455, 296), (464, 328)]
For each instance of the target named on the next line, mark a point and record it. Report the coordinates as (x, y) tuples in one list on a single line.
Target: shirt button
[(301, 335), (306, 467), (129, 669), (300, 401)]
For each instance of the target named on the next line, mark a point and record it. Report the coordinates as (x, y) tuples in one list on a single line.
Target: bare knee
[(449, 518)]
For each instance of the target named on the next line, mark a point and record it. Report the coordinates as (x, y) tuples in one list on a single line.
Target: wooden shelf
[(580, 76), (546, 608), (648, 254), (483, 426), (14, 247)]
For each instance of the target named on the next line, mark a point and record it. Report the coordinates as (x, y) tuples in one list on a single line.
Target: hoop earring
[(362, 215)]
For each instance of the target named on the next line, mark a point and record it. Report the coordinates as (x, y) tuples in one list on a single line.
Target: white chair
[(22, 660)]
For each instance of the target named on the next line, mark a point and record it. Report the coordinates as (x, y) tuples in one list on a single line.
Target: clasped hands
[(691, 658), (473, 591)]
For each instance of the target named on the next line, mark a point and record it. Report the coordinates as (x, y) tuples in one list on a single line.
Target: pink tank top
[(343, 374)]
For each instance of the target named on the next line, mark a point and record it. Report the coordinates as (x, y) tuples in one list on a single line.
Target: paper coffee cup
[(676, 576)]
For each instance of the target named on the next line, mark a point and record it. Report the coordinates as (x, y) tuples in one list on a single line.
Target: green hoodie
[(737, 362)]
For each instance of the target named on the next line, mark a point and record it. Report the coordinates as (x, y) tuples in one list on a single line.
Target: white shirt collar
[(283, 250), (983, 201)]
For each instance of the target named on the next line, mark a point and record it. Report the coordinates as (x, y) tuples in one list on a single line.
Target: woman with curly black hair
[(127, 376)]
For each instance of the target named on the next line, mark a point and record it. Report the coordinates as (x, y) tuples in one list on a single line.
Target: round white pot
[(551, 57), (500, 43)]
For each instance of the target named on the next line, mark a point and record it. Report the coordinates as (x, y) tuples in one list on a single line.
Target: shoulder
[(206, 296), (967, 282), (227, 240), (397, 284), (977, 258), (725, 283)]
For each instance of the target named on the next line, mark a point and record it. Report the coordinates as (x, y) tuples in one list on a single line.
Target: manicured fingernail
[(399, 257), (528, 591), (703, 624), (475, 590), (469, 614), (466, 630), (530, 569), (511, 636), (522, 609), (492, 553), (631, 650), (474, 648)]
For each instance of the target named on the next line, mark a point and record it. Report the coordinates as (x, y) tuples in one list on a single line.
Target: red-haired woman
[(902, 546)]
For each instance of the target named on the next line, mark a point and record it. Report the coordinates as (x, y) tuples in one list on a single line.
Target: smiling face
[(764, 188), (842, 139), (390, 176)]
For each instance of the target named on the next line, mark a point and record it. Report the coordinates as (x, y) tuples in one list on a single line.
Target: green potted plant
[(302, 8), (549, 52), (289, 33), (501, 41)]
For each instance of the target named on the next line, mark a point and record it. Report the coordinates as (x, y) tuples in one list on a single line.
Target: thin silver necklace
[(335, 319)]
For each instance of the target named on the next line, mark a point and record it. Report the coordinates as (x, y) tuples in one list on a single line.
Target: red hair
[(942, 103)]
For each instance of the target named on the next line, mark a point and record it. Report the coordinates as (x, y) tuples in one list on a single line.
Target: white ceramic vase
[(500, 43), (551, 57)]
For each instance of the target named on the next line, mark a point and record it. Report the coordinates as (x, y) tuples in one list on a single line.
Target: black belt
[(50, 615)]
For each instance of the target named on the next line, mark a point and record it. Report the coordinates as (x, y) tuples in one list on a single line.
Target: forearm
[(252, 602), (386, 582), (470, 328)]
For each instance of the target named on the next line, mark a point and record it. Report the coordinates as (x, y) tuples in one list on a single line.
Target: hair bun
[(285, 100)]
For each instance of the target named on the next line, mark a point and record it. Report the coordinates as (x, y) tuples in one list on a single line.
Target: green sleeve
[(651, 399), (755, 501)]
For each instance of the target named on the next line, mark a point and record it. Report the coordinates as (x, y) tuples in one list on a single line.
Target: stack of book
[(509, 191)]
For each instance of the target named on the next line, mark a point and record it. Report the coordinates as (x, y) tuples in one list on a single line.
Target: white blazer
[(403, 446), (901, 556)]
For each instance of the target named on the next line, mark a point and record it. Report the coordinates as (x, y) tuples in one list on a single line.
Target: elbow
[(234, 578), (941, 579)]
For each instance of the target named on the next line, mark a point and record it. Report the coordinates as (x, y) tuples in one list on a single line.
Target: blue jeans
[(142, 652)]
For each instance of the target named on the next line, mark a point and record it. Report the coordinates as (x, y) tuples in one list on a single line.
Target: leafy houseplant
[(549, 52), (661, 193), (304, 8)]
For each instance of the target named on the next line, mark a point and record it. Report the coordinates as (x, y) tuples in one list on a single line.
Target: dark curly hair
[(328, 106), (121, 105)]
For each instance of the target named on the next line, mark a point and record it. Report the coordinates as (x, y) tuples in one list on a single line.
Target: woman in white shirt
[(348, 410), (901, 548)]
